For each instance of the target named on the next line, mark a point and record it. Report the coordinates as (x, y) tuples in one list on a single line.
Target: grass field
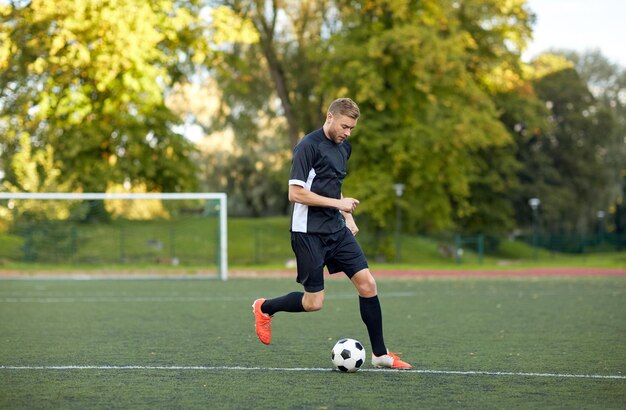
[(474, 343), (257, 242)]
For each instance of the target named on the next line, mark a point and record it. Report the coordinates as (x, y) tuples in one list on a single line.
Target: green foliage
[(267, 68), (576, 178), (425, 117), (607, 82), (34, 170), (87, 79), (497, 33), (526, 118), (448, 108)]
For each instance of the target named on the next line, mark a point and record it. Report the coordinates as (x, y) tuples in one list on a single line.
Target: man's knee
[(365, 284), (368, 289), (312, 302)]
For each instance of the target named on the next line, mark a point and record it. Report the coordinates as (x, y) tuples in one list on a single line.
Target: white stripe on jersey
[(300, 217)]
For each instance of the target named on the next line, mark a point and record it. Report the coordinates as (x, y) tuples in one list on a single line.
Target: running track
[(433, 273), (266, 273)]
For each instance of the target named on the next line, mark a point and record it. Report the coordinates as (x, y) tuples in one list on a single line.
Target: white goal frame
[(221, 197)]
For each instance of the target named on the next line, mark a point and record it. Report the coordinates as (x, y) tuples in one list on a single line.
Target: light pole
[(399, 188), (534, 204), (600, 216)]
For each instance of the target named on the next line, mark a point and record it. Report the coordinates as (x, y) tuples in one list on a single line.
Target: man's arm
[(350, 222), (303, 196)]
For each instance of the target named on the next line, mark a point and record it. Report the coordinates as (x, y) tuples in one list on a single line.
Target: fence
[(600, 242)]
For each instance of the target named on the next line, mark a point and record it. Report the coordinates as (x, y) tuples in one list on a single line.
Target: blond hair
[(344, 106)]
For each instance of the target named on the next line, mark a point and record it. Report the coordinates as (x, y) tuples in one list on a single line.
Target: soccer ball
[(348, 355)]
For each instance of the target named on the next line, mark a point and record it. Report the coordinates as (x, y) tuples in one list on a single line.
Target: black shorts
[(339, 251)]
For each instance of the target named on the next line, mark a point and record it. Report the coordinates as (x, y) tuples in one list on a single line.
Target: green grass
[(531, 325), (194, 241), (263, 242)]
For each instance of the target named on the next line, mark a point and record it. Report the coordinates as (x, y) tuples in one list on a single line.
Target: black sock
[(372, 316), (291, 302)]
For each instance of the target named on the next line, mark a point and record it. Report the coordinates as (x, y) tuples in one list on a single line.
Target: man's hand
[(347, 205), (303, 196), (350, 224)]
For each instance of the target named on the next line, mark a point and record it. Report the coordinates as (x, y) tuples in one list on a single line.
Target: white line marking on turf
[(159, 299), (315, 369)]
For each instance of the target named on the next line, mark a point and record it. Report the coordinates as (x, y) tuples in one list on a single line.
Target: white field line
[(315, 369), (159, 299)]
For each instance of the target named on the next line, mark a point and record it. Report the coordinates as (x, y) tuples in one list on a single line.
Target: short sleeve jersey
[(318, 165)]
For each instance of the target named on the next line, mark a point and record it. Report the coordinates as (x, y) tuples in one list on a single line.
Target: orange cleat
[(390, 361), (262, 322)]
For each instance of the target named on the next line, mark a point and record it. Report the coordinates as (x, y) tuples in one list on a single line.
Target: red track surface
[(515, 272), (421, 273), (391, 273)]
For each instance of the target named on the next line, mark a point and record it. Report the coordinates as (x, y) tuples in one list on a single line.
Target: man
[(323, 229)]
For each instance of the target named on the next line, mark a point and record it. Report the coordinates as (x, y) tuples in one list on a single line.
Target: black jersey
[(318, 165)]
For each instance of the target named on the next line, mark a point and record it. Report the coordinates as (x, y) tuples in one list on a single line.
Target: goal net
[(121, 230)]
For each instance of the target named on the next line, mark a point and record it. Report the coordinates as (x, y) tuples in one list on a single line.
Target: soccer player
[(323, 230)]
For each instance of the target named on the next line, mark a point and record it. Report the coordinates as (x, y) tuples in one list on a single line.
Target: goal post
[(112, 228)]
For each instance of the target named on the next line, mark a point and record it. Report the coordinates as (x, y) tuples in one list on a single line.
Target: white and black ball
[(348, 355)]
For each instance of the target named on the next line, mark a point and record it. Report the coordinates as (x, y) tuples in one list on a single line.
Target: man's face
[(340, 127)]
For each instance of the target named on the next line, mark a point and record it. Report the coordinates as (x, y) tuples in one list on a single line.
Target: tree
[(424, 73), (498, 32), (426, 118), (35, 171), (526, 118), (88, 79), (577, 145), (607, 82), (267, 71), (286, 56)]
